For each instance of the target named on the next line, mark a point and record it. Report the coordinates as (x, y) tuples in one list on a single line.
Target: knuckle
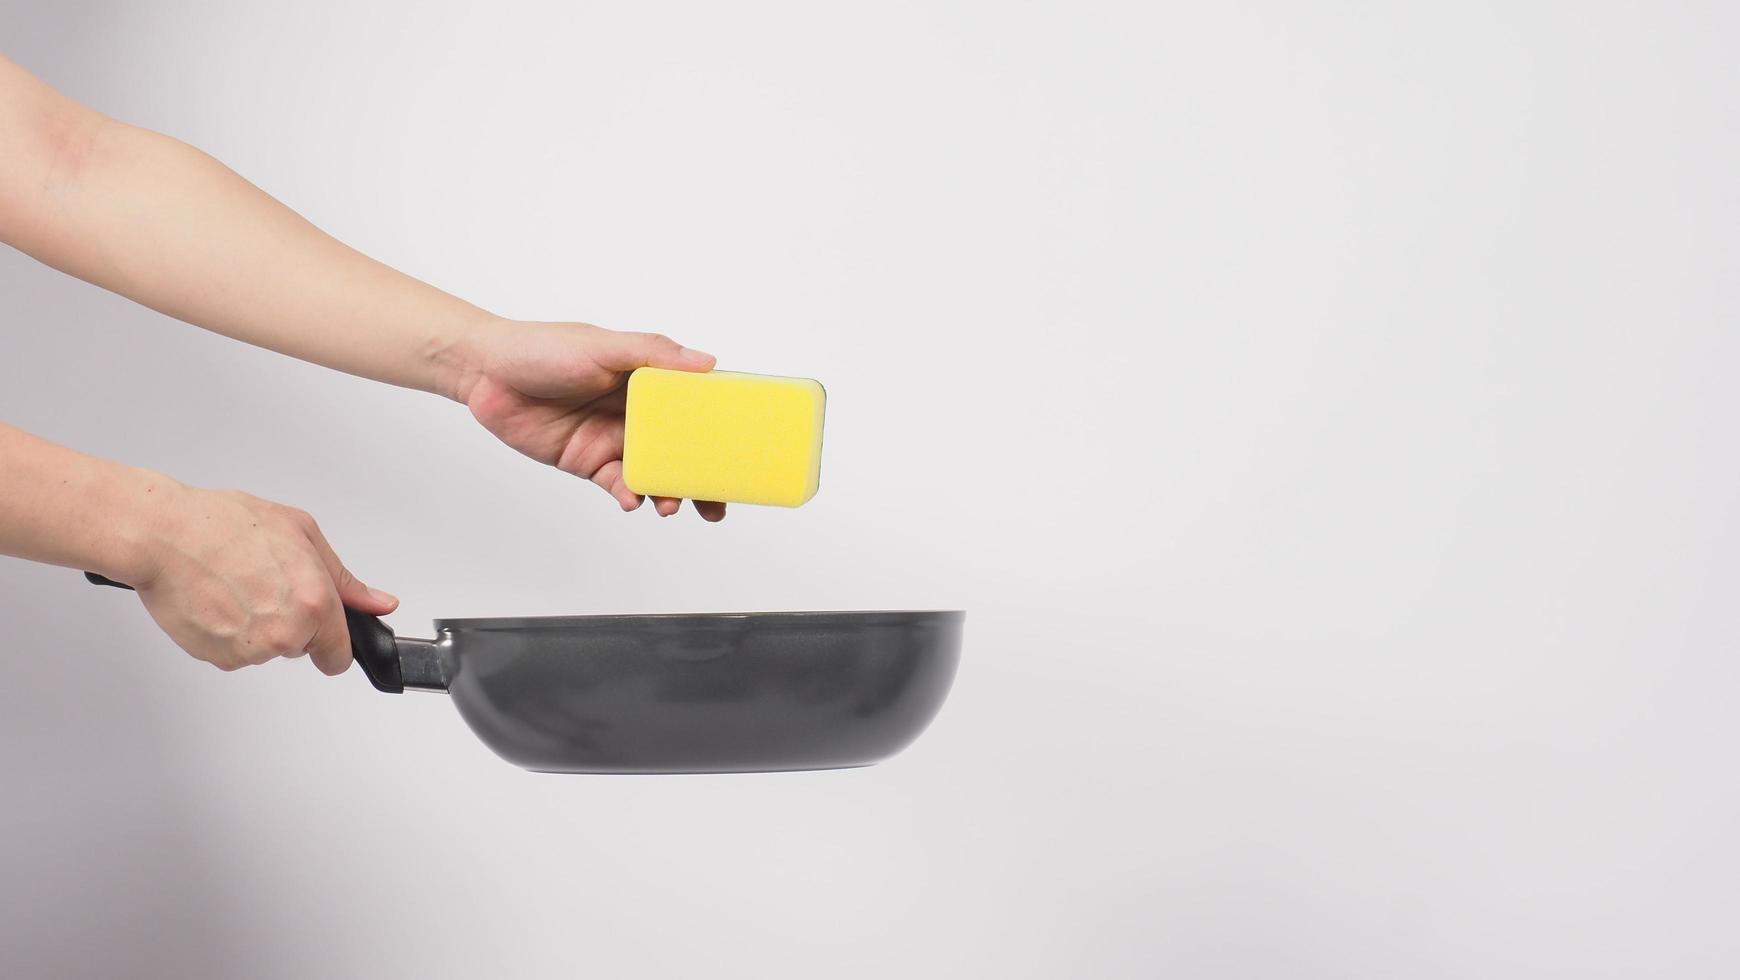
[(269, 641)]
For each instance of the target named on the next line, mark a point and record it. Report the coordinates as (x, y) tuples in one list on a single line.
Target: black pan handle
[(373, 646), (371, 643)]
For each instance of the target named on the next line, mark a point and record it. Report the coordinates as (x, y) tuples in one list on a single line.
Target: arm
[(168, 226), (234, 580), (164, 224)]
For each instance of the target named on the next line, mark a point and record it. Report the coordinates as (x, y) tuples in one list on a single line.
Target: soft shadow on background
[(1326, 417)]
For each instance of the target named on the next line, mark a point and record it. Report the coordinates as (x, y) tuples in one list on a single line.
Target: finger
[(351, 590), (330, 647), (711, 511), (219, 654), (619, 351), (666, 506), (596, 441), (609, 476)]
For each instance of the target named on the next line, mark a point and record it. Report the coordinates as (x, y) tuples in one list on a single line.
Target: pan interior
[(820, 619)]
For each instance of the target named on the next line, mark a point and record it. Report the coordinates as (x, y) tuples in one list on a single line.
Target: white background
[(1325, 413)]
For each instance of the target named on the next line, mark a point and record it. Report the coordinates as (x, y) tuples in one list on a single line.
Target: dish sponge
[(723, 435)]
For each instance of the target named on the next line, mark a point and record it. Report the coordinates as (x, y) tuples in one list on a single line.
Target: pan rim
[(796, 617)]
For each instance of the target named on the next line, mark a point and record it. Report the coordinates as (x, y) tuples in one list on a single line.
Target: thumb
[(619, 351), (330, 649), (355, 595), (351, 591)]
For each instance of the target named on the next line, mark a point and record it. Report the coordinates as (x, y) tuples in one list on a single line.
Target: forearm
[(168, 226), (233, 579), (65, 508)]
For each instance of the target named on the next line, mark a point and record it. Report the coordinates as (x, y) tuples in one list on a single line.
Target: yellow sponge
[(747, 438)]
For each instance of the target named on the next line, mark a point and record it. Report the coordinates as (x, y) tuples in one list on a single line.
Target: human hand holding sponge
[(639, 414)]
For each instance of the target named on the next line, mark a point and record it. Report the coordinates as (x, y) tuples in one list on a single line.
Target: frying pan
[(684, 693)]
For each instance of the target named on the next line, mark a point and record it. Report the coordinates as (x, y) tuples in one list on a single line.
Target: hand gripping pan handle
[(373, 645)]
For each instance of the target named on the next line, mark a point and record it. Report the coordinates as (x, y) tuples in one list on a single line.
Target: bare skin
[(233, 579)]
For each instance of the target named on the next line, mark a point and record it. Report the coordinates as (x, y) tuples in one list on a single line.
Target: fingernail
[(694, 356), (386, 598)]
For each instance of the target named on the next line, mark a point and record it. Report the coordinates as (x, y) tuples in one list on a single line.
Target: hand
[(236, 580), (556, 392)]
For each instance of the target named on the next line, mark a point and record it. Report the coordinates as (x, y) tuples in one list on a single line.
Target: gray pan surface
[(746, 692)]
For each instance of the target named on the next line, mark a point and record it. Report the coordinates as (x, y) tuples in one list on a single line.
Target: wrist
[(143, 512), (456, 359)]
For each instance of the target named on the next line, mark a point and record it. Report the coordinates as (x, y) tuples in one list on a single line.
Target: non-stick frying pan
[(702, 692)]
